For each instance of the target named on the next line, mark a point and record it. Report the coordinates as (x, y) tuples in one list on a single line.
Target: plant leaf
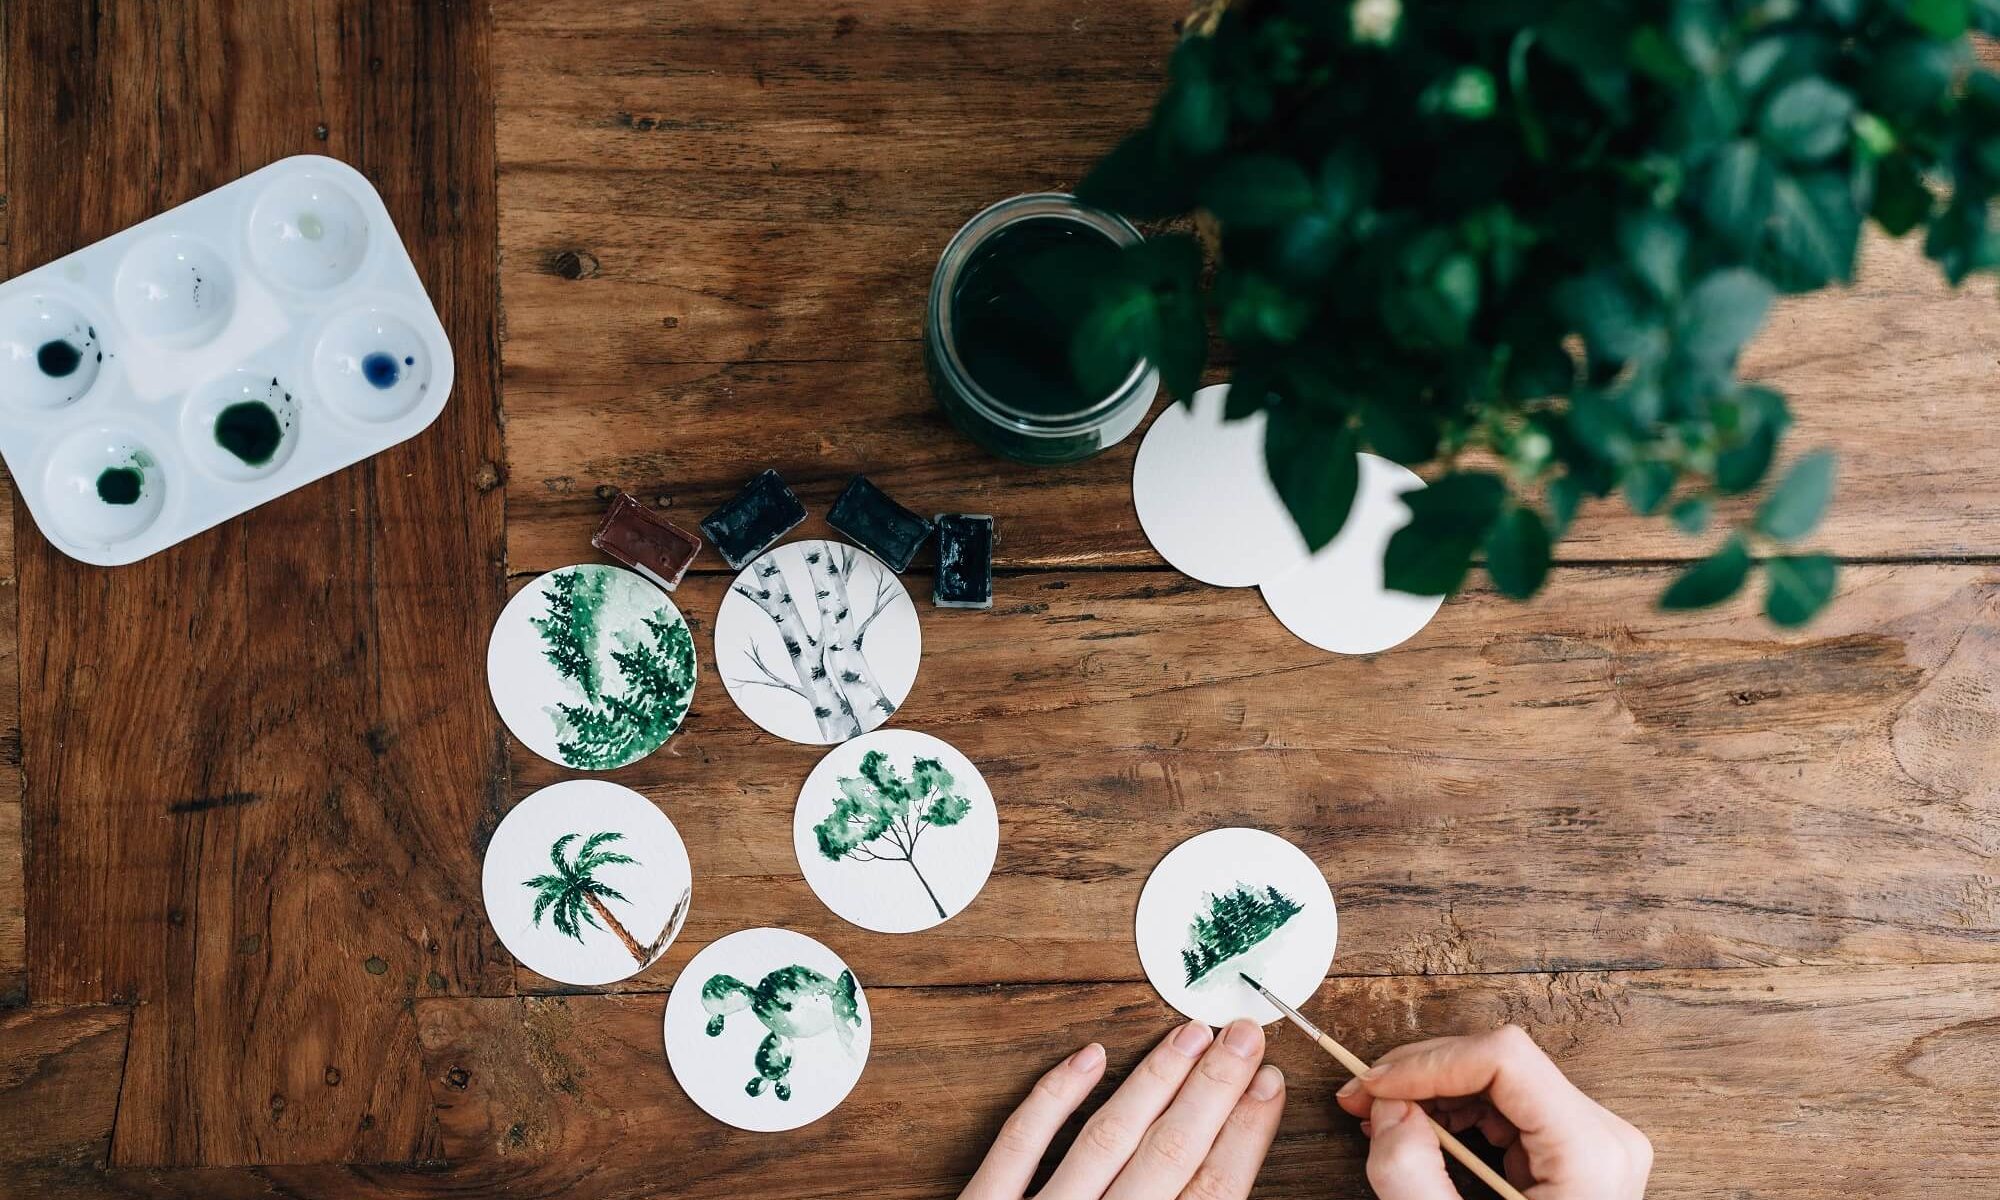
[(1646, 484), (1722, 312), (1806, 120), (1710, 581), (1255, 191), (1798, 502), (1691, 515), (1448, 521), (1138, 179), (1945, 20), (1517, 552), (1314, 468), (1799, 586)]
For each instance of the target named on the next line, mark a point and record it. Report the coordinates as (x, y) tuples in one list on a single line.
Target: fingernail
[(1387, 1114), (1266, 1082), (1349, 1088), (1368, 1129), (1192, 1038), (1244, 1038), (1088, 1059)]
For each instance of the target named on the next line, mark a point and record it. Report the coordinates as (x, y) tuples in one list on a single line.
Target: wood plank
[(13, 913), (1581, 784), (1816, 1083), (254, 774), (752, 203), (59, 1070)]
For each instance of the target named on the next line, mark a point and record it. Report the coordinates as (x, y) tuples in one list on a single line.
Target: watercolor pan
[(646, 542), (881, 526), (212, 358), (964, 561), (754, 519)]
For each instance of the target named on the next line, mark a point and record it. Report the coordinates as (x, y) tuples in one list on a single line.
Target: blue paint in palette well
[(381, 370)]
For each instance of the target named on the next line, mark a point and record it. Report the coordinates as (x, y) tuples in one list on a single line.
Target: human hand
[(1193, 1120), (1559, 1144)]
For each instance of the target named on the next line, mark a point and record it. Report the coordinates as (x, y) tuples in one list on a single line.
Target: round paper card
[(817, 642), (767, 1030), (896, 831), (1205, 497), (1337, 600), (1236, 901), (591, 667), (587, 882)]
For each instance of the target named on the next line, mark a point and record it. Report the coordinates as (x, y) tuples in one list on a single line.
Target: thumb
[(1404, 1161)]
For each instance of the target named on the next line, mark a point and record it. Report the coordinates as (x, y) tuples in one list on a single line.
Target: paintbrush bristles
[(1246, 978)]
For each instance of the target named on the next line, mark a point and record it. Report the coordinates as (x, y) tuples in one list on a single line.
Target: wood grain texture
[(13, 912), (1582, 782), (719, 223), (252, 772), (1807, 1082)]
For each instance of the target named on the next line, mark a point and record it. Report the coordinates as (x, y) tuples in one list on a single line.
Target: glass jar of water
[(998, 357)]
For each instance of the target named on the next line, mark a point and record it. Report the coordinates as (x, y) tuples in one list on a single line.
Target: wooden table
[(1741, 883)]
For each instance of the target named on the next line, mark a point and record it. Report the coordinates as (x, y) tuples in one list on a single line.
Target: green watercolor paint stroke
[(791, 1002), (573, 897), (629, 658), (1231, 924), (879, 814)]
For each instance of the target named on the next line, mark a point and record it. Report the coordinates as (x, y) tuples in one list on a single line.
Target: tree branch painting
[(880, 815), (826, 667)]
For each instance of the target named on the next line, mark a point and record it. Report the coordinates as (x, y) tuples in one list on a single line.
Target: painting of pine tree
[(634, 680), (574, 897), (879, 814), (1231, 923), (826, 659)]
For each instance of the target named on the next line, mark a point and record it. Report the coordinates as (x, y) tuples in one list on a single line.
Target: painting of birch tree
[(817, 642)]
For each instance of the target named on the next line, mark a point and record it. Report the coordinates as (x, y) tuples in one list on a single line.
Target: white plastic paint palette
[(212, 358)]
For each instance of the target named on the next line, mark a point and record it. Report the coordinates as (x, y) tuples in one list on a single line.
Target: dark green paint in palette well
[(250, 430), (120, 485)]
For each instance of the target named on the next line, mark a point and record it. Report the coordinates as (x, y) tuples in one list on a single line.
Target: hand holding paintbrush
[(1558, 1143)]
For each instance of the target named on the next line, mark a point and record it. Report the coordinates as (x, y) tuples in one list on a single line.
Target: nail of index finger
[(1010, 1165)]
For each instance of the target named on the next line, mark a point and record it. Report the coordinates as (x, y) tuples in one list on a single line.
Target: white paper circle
[(1337, 601), (592, 712), (550, 853), (1205, 497), (792, 674), (931, 857), (1241, 867), (787, 1013)]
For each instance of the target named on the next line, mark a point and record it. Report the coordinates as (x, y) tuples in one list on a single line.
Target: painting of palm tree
[(574, 898)]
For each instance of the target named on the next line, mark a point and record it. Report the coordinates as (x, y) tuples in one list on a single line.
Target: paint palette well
[(192, 367)]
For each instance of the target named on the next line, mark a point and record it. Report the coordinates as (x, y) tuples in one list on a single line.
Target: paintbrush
[(1457, 1149)]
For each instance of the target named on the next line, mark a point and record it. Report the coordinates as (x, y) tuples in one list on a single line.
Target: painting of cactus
[(804, 636)]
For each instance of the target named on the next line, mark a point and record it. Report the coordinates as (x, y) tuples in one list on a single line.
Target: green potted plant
[(1524, 241)]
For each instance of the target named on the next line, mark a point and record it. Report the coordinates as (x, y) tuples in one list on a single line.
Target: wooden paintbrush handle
[(1452, 1146)]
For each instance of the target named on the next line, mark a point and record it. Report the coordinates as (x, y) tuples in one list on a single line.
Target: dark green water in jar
[(1012, 341)]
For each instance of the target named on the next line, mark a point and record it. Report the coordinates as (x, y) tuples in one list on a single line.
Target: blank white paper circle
[(1336, 600), (785, 1010), (917, 872), (1205, 497), (1292, 960)]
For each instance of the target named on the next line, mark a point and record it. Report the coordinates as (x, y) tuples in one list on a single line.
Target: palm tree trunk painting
[(573, 897), (829, 667)]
